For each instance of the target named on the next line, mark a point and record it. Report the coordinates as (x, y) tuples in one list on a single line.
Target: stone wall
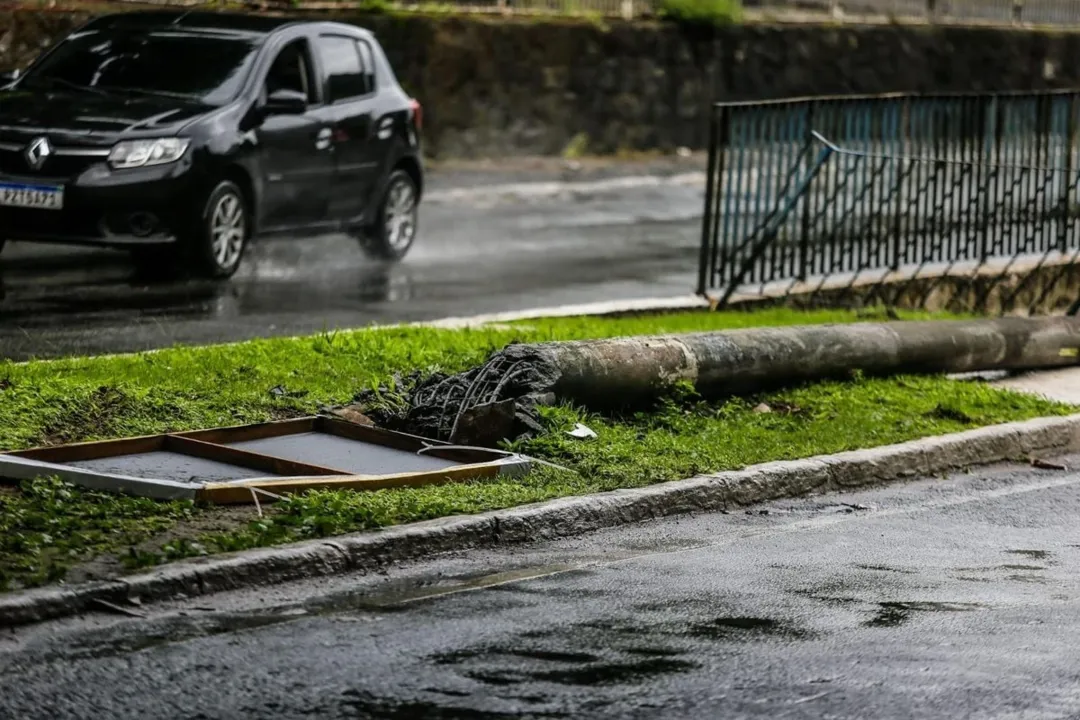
[(1045, 286), (494, 87)]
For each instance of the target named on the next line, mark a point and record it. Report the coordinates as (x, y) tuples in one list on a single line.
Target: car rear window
[(207, 67)]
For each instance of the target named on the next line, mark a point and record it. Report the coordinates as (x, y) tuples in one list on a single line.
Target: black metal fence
[(810, 196)]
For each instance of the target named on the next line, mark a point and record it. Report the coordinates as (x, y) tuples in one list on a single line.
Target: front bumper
[(105, 207)]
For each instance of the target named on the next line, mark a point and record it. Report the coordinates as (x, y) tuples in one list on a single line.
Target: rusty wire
[(456, 395)]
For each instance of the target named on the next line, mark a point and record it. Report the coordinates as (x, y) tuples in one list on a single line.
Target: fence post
[(1067, 184), (987, 172), (899, 212), (705, 271), (991, 204), (804, 225)]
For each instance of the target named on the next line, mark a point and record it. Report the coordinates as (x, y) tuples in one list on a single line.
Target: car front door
[(351, 98), (296, 146)]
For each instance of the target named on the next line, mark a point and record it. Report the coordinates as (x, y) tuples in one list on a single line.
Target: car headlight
[(141, 153)]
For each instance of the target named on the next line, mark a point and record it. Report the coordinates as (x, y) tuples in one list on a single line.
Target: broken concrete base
[(559, 518)]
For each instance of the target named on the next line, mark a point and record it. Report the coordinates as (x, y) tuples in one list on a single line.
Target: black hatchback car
[(181, 135)]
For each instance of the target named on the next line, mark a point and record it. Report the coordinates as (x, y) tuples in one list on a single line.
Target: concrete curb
[(555, 519)]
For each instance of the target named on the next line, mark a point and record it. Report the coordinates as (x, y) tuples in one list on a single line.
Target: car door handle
[(322, 140), (386, 128)]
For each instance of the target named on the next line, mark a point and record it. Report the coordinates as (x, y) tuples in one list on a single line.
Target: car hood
[(93, 117)]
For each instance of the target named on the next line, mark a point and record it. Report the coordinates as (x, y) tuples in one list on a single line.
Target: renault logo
[(37, 152)]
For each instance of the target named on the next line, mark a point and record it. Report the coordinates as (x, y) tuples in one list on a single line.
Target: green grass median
[(52, 532)]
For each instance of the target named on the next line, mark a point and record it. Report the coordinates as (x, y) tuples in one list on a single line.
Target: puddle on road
[(562, 667), (813, 594), (606, 651), (496, 678), (456, 657), (555, 656), (448, 693), (745, 629), (399, 596), (1015, 572), (128, 638), (1029, 579), (994, 568), (894, 614), (886, 568), (889, 615), (367, 704), (657, 651), (615, 673)]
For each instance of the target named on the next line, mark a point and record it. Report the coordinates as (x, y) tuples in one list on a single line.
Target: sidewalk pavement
[(1062, 385)]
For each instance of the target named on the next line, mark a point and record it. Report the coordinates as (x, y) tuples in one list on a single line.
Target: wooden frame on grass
[(283, 475)]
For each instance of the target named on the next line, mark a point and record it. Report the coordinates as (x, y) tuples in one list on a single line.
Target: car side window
[(291, 70), (367, 59), (346, 77)]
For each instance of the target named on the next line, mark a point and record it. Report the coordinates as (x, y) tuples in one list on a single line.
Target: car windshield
[(204, 67)]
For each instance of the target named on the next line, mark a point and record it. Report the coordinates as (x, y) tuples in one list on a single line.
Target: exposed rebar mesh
[(440, 406), (443, 403)]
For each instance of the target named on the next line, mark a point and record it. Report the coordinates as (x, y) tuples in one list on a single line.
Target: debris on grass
[(943, 411), (581, 432), (353, 414), (280, 391)]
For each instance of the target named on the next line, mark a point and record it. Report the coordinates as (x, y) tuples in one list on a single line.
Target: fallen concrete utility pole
[(483, 404), (621, 372)]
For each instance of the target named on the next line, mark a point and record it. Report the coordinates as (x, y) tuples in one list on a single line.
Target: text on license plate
[(41, 197)]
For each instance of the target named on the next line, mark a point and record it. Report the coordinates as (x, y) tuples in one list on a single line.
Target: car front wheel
[(219, 240), (395, 225)]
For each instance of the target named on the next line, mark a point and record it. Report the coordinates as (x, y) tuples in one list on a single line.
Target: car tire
[(396, 222), (217, 243)]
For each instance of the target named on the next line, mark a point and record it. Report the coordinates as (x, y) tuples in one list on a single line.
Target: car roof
[(240, 23)]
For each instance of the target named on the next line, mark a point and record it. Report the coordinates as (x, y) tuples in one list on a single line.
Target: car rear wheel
[(217, 244), (395, 225)]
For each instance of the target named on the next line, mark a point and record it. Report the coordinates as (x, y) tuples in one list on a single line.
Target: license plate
[(38, 197)]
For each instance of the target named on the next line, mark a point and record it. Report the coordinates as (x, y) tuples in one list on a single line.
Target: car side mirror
[(285, 102)]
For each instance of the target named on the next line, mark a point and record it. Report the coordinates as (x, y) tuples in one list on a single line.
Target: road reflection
[(277, 277)]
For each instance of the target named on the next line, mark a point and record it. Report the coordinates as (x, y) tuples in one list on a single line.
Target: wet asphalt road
[(486, 245), (945, 598)]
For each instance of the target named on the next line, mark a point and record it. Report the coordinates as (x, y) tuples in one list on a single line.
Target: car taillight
[(417, 114)]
